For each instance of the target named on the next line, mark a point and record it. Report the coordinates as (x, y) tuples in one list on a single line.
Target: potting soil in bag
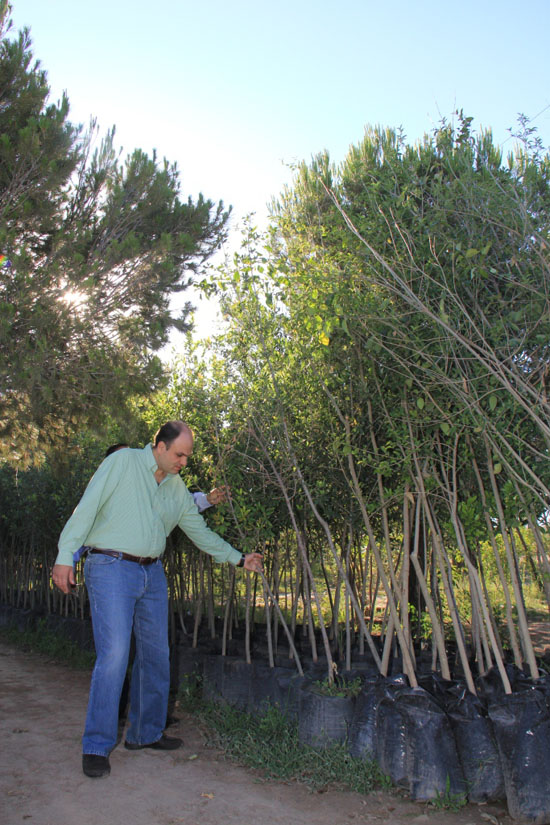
[(431, 763), (323, 720), (265, 690), (289, 685), (490, 687), (477, 748), (212, 678), (237, 678), (390, 733), (521, 723), (226, 679), (362, 731), (435, 685)]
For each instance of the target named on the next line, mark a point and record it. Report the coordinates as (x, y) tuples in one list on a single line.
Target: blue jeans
[(125, 595)]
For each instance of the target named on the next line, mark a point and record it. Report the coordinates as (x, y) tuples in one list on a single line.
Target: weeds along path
[(42, 709)]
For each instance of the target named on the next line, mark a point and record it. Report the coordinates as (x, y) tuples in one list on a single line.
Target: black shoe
[(165, 743), (95, 766)]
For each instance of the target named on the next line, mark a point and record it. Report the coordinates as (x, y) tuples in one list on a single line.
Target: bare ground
[(42, 708)]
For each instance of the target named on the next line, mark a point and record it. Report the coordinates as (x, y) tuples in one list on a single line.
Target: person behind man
[(133, 501)]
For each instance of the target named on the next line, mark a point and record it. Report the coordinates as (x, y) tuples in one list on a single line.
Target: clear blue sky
[(236, 90)]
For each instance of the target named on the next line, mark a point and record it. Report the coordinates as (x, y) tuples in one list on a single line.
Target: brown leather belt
[(115, 554)]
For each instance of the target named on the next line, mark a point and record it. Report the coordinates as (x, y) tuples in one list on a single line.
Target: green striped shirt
[(123, 508)]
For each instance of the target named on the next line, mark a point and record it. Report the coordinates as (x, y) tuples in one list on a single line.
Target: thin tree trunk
[(522, 618), (198, 605), (504, 584), (227, 612), (437, 630)]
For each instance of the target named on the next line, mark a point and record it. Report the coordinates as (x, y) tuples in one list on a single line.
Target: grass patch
[(338, 687), (270, 745), (449, 801), (53, 645)]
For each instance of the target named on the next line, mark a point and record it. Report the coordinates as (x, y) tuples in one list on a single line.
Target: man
[(203, 501), (133, 501)]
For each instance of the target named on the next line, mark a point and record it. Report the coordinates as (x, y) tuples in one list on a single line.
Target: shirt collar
[(149, 458)]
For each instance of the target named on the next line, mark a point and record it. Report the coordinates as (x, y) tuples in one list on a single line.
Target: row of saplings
[(435, 740)]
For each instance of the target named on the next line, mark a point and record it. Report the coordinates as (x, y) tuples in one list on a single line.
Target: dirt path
[(42, 708)]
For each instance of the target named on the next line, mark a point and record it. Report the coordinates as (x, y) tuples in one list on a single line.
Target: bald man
[(131, 504)]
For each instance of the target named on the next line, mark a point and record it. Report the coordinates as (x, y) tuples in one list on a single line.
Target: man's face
[(171, 459)]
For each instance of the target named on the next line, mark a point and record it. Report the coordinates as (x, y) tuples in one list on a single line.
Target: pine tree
[(94, 248)]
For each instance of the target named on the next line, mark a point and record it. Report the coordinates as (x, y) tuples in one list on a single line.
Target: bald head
[(170, 431)]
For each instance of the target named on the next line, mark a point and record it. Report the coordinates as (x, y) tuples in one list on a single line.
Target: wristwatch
[(241, 562)]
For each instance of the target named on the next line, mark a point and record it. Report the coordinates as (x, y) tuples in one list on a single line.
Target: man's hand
[(254, 562), (63, 577), (218, 495)]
